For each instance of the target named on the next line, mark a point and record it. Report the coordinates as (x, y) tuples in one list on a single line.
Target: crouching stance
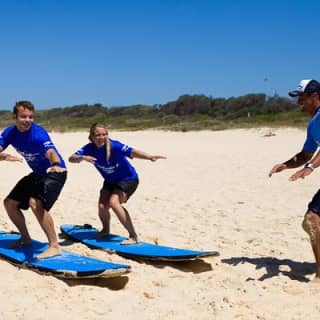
[(120, 178), (40, 189), (308, 97)]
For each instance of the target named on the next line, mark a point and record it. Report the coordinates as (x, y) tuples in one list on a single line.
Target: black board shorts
[(46, 189), (127, 186), (314, 204)]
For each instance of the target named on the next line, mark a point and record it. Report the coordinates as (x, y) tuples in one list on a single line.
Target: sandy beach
[(212, 193)]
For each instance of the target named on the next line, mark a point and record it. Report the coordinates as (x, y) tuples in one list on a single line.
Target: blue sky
[(60, 53)]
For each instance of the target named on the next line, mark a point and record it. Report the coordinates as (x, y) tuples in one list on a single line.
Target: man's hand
[(56, 169), (277, 168), (300, 174)]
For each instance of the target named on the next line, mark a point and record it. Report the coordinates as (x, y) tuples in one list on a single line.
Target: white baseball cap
[(305, 86)]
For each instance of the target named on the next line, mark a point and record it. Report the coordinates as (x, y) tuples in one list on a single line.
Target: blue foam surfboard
[(142, 250), (67, 265)]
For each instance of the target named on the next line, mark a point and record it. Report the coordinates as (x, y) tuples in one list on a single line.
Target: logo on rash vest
[(48, 144), (28, 156), (125, 148), (108, 170)]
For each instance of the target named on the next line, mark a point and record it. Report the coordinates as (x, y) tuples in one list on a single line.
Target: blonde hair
[(108, 144)]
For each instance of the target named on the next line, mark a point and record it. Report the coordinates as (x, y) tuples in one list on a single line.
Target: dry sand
[(212, 193)]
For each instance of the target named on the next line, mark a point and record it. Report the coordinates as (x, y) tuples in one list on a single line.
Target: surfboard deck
[(142, 250), (68, 265)]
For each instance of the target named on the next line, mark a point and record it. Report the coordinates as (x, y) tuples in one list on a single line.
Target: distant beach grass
[(195, 122)]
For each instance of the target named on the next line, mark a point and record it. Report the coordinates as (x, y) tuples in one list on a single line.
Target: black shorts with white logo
[(127, 186), (46, 189)]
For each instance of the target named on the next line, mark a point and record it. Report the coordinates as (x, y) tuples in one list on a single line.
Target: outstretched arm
[(74, 158), (143, 155), (8, 157), (309, 167), (296, 161)]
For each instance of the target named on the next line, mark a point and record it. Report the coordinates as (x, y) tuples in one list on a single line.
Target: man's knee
[(309, 225)]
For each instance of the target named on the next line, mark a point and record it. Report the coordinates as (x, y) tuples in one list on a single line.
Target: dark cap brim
[(294, 93)]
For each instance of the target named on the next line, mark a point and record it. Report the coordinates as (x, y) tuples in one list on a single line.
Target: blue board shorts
[(46, 189)]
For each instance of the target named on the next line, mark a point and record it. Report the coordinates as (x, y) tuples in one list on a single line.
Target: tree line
[(234, 107), (191, 108)]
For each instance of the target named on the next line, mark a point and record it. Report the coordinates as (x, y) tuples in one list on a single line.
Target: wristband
[(309, 165), (56, 164)]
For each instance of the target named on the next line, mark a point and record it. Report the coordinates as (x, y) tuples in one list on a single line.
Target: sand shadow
[(114, 284), (194, 266), (298, 270)]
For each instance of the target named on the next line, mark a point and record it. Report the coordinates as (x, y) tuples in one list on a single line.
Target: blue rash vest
[(313, 133), (118, 168), (31, 145)]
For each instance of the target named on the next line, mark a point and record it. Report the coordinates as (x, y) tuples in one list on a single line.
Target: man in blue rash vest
[(120, 178), (308, 97), (40, 189)]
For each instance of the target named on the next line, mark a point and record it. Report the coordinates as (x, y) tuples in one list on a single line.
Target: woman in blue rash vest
[(120, 178), (40, 189)]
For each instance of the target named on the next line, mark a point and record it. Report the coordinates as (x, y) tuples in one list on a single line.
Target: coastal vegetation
[(188, 112)]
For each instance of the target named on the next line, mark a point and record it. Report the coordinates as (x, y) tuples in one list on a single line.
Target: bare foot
[(130, 240), (50, 252), (20, 243)]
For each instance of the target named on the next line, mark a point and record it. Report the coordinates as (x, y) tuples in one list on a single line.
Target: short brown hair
[(24, 104)]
